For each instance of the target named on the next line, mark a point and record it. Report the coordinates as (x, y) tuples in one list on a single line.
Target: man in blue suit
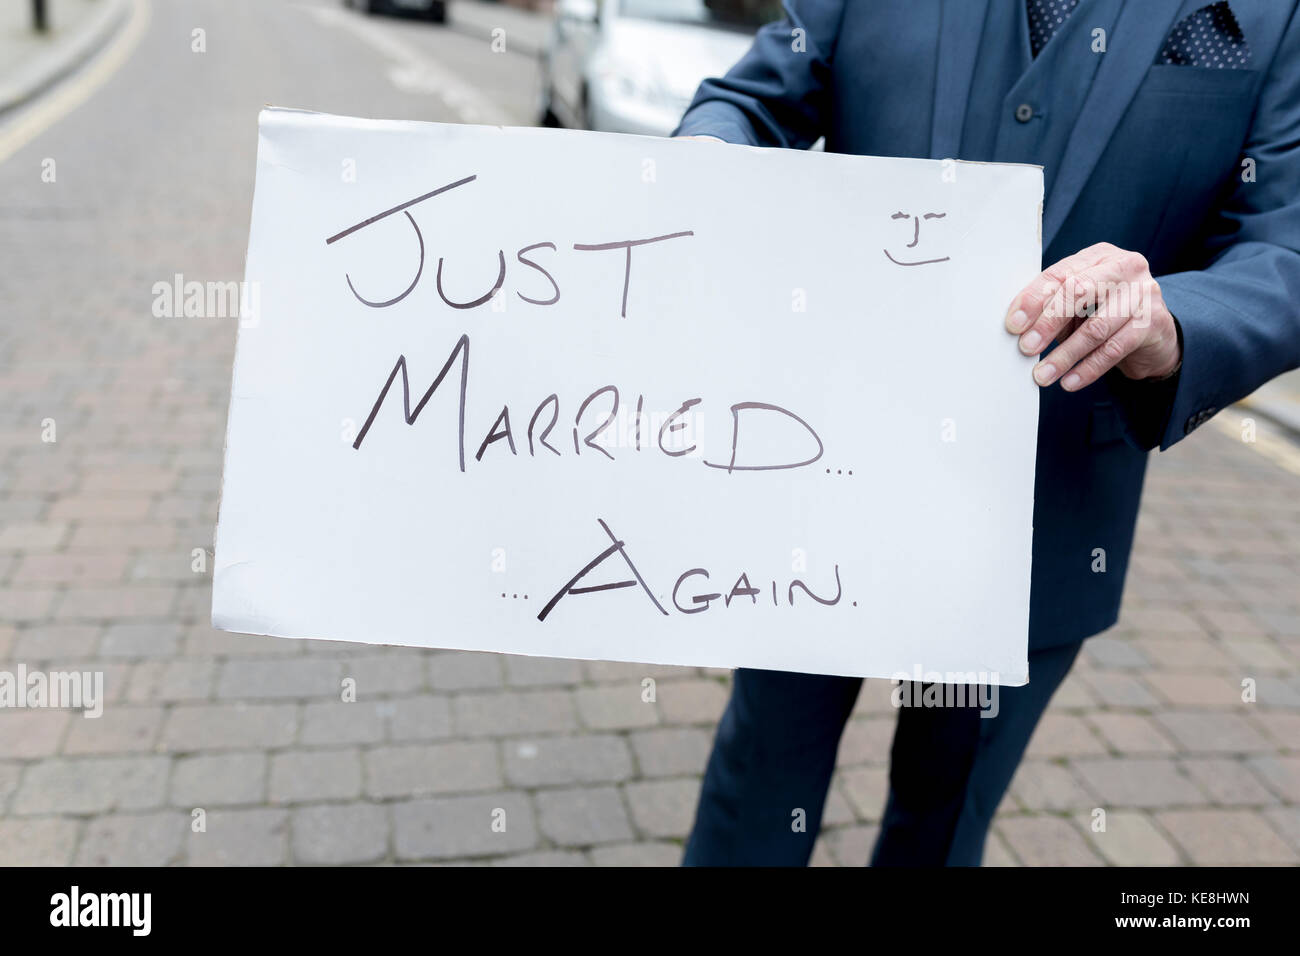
[(1169, 134)]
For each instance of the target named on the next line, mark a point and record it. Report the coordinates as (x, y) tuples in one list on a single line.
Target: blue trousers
[(775, 750)]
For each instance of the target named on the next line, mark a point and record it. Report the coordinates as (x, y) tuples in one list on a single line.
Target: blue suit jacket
[(1140, 154)]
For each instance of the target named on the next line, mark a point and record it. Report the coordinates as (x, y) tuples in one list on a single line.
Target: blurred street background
[(127, 157)]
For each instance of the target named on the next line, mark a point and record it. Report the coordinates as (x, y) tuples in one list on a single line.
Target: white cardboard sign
[(615, 397)]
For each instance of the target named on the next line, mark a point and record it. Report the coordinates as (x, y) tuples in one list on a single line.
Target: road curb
[(1281, 416), (46, 70)]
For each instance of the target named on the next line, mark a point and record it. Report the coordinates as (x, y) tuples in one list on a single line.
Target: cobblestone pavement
[(98, 531)]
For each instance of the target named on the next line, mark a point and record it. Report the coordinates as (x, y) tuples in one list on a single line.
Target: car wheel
[(584, 104), (545, 97)]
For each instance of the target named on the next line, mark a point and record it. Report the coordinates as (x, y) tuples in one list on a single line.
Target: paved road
[(98, 531)]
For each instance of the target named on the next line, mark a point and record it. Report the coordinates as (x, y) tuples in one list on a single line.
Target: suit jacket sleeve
[(1239, 315), (778, 94)]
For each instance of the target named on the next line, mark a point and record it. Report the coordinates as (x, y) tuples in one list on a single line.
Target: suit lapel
[(1138, 34), (961, 24)]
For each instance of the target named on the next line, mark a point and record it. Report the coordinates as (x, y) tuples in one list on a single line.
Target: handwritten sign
[(612, 397)]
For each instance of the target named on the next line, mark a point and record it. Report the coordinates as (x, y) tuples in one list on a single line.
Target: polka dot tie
[(1210, 37), (1045, 18)]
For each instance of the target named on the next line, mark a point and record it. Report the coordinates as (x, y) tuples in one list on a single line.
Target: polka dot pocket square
[(1209, 38)]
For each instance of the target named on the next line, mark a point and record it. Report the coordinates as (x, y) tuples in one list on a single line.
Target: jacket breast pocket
[(1184, 130), (1166, 79)]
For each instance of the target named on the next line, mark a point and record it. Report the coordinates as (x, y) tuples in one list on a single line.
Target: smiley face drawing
[(905, 259)]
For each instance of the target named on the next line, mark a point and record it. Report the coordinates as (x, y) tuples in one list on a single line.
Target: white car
[(632, 66)]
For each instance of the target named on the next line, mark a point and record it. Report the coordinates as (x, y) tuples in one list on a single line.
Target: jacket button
[(1198, 419), (1024, 112)]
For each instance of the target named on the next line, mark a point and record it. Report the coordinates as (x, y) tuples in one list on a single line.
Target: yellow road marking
[(1269, 441), (71, 92)]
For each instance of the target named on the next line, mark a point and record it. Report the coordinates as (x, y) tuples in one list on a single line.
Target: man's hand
[(1105, 310)]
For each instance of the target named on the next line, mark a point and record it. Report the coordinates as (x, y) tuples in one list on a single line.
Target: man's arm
[(778, 94), (1237, 320), (1240, 316)]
